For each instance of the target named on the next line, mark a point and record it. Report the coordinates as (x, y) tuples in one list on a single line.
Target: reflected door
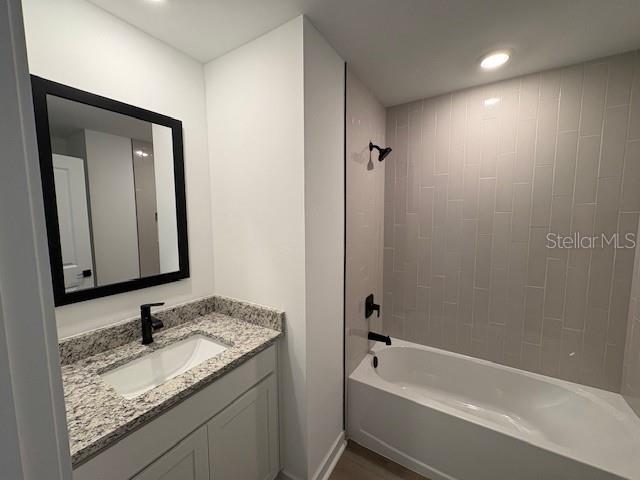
[(73, 218)]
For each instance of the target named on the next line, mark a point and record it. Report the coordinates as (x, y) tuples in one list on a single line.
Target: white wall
[(256, 132), (78, 44), (33, 439), (275, 116), (324, 242), (113, 207)]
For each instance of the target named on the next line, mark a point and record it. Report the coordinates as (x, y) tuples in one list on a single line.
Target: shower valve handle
[(370, 306)]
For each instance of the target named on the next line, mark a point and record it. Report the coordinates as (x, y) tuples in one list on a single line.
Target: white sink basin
[(145, 373)]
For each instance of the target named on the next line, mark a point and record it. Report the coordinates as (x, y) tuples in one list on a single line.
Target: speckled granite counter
[(97, 416)]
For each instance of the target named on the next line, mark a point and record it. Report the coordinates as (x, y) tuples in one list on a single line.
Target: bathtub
[(449, 416)]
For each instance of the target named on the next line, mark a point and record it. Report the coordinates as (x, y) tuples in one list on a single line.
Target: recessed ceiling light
[(488, 102), (495, 60)]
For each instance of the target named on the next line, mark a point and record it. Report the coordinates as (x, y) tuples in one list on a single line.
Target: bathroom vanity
[(165, 410)]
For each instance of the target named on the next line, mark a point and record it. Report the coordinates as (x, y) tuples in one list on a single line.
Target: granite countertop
[(97, 416)]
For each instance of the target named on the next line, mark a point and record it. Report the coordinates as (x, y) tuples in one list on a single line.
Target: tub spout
[(379, 338)]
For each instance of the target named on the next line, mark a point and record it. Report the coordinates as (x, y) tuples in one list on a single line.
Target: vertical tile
[(414, 155), (525, 150), (443, 134), (531, 357), (400, 165), (428, 143), (453, 225), (498, 296), (630, 200), (504, 183), (489, 153), (607, 207), (400, 247), (425, 211), (521, 212), (570, 98), (508, 117), (576, 296), (470, 196), (547, 131), (483, 261), (457, 146), (600, 275), (440, 205), (533, 314), (587, 169), (550, 349), (480, 313), (486, 204), (565, 168), (613, 367), (542, 188), (593, 97), (561, 215), (424, 262), (495, 342), (613, 141), (538, 252), (452, 273), (634, 120), (450, 326), (554, 288), (570, 355), (410, 285), (594, 344), (438, 250), (501, 240)]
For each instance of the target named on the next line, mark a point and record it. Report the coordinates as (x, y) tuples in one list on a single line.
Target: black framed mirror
[(114, 193)]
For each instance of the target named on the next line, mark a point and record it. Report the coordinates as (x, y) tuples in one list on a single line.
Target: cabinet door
[(243, 438), (189, 460)]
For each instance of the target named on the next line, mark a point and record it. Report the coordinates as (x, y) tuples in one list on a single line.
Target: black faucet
[(379, 338), (149, 322)]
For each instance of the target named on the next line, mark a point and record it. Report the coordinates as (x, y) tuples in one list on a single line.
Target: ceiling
[(404, 49)]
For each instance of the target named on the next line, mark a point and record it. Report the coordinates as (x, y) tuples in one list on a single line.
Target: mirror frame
[(40, 89)]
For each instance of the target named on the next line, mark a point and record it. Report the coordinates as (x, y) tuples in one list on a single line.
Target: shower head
[(382, 152)]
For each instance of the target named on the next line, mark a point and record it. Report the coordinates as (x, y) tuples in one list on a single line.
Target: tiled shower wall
[(472, 189), (631, 365), (365, 190)]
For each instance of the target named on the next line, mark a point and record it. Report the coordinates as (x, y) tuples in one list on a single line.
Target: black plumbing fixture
[(149, 322), (370, 306), (379, 338), (382, 152)]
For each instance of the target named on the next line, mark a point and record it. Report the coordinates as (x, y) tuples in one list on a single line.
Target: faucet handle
[(149, 305)]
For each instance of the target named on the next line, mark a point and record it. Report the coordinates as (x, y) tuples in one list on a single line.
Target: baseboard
[(331, 459), (328, 463), (285, 476)]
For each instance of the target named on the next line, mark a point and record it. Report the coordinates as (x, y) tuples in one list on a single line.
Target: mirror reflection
[(115, 195)]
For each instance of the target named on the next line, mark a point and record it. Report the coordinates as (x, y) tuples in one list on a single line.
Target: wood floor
[(358, 463)]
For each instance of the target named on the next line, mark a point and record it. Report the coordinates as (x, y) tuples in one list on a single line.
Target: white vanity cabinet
[(243, 438), (226, 431), (189, 460)]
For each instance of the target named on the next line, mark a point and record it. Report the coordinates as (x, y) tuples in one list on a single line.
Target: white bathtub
[(448, 416)]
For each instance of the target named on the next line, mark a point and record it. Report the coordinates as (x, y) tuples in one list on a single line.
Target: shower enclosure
[(510, 218)]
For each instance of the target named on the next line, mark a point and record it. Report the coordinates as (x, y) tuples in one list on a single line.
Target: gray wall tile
[(469, 268)]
